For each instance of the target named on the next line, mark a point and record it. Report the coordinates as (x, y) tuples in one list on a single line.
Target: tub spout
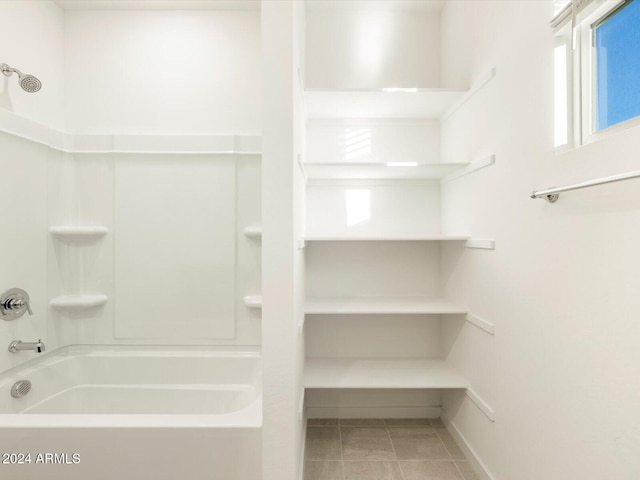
[(17, 345)]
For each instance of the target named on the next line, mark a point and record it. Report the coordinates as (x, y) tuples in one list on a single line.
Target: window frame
[(581, 70)]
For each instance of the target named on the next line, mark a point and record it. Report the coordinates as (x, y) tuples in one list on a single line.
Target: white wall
[(32, 40), (165, 72), (372, 47), (23, 241), (283, 224), (562, 371)]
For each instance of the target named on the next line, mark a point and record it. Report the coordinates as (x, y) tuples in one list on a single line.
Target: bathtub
[(134, 413)]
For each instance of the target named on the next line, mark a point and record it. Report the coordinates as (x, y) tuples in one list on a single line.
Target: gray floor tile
[(450, 443), (372, 471), (361, 422), (436, 422), (366, 443), (417, 443), (323, 470), (322, 421), (430, 470), (407, 422), (323, 443), (467, 471)]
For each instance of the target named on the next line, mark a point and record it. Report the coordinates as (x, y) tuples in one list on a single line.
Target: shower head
[(28, 83)]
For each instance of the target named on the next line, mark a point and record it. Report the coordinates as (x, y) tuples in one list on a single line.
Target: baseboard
[(373, 412), (477, 464), (303, 442)]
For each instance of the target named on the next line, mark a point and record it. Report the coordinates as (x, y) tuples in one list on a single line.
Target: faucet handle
[(14, 303)]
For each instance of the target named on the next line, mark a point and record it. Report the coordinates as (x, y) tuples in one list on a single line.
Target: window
[(617, 52), (596, 68)]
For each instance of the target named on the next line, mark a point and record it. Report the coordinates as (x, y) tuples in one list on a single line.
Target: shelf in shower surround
[(253, 231), (78, 302), (253, 301), (381, 373), (381, 305), (70, 233)]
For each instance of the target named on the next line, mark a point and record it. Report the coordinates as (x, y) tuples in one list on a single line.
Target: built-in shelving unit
[(381, 373), (375, 166), (391, 170), (424, 103), (356, 238), (253, 301), (70, 233), (381, 305), (78, 302)]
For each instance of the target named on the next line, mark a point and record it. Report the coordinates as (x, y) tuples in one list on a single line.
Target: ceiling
[(393, 5), (159, 4)]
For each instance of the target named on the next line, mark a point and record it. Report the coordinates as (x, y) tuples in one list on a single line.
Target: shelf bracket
[(481, 404), (472, 167), (477, 86), (481, 323), (485, 243)]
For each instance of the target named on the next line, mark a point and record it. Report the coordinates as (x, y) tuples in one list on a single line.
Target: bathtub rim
[(248, 417)]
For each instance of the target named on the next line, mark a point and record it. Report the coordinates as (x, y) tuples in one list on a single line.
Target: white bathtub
[(135, 413)]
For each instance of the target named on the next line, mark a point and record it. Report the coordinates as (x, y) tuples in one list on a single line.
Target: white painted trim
[(303, 171), (473, 166), (303, 446), (485, 243), (478, 465), (21, 127), (481, 404), (373, 412), (481, 323), (301, 404), (475, 88)]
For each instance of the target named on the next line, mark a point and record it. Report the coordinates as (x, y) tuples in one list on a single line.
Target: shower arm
[(8, 71)]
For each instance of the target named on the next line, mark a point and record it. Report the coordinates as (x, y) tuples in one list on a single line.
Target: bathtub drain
[(20, 388)]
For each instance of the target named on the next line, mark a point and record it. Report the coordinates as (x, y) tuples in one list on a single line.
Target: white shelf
[(381, 305), (425, 103), (426, 238), (78, 302), (381, 373), (348, 171), (253, 301), (68, 232), (253, 231)]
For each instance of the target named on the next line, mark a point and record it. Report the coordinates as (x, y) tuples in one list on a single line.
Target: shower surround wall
[(24, 164), (174, 263), (182, 76)]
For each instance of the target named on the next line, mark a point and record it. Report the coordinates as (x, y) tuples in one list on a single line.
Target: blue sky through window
[(618, 66)]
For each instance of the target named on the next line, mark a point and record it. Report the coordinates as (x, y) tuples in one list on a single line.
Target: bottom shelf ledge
[(381, 373), (78, 302)]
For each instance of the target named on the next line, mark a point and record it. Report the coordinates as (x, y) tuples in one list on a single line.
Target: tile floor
[(376, 449)]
